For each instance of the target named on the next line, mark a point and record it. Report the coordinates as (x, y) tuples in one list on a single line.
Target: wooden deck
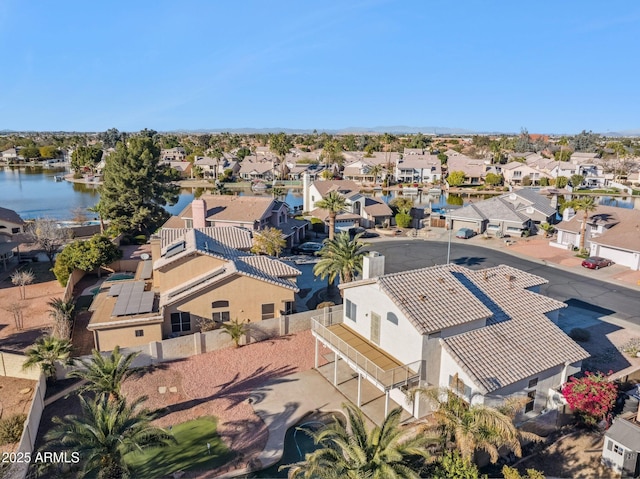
[(365, 347)]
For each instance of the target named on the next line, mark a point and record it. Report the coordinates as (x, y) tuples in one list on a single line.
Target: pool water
[(297, 443), (120, 276)]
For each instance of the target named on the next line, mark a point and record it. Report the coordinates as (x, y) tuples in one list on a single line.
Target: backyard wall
[(11, 365), (74, 278), (198, 343)]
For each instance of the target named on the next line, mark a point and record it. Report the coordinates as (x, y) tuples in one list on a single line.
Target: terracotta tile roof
[(374, 207), (625, 234), (346, 187), (10, 216), (231, 236), (609, 216), (528, 197), (245, 209), (324, 215), (491, 209), (173, 222)]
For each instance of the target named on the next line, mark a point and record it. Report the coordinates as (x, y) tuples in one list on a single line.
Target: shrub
[(591, 397), (317, 225), (140, 239), (403, 220), (11, 428), (579, 334)]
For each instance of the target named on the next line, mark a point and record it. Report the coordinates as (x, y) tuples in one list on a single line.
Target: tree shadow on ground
[(469, 261), (21, 340), (237, 390)]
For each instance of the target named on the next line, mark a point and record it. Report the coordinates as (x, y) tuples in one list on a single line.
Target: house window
[(531, 395), (350, 310), (493, 227), (268, 311), (221, 316), (139, 333), (220, 304), (618, 450), (15, 230), (392, 318), (188, 223), (180, 322), (289, 307), (533, 383), (458, 386)]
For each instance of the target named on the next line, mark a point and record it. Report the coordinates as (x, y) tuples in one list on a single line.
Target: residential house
[(10, 223), (495, 216), (474, 170), (184, 168), (253, 213), (360, 210), (485, 334), (251, 168), (194, 275), (621, 448), (173, 154), (10, 155), (362, 171), (413, 168), (214, 167), (535, 206), (610, 232), (515, 172)]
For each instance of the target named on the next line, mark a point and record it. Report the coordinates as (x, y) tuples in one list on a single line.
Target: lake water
[(34, 193)]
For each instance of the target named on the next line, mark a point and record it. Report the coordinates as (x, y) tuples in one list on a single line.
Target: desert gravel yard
[(219, 384)]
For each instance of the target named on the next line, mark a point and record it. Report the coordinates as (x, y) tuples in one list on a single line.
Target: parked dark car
[(596, 262), (307, 248), (364, 233), (465, 233)]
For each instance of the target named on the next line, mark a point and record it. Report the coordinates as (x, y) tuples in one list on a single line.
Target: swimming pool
[(297, 443), (120, 276)]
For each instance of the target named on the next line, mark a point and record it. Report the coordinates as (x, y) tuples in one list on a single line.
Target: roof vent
[(423, 297), (441, 280)]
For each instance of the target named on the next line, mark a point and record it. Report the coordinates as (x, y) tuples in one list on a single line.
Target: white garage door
[(617, 256)]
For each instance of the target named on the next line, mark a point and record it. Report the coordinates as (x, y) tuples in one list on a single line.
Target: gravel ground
[(13, 402), (219, 384)]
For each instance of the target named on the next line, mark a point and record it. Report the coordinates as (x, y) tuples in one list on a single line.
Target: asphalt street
[(575, 289)]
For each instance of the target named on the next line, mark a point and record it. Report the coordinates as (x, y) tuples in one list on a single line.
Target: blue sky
[(549, 66)]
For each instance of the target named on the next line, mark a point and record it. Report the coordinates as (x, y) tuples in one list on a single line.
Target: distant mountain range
[(399, 129)]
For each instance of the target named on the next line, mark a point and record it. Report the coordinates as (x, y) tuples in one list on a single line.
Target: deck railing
[(387, 379)]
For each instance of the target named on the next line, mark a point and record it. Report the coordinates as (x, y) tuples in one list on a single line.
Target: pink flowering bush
[(591, 397)]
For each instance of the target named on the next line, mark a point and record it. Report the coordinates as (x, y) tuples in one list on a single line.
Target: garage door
[(617, 256)]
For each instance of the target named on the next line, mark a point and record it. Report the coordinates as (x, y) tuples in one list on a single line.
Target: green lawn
[(189, 453)]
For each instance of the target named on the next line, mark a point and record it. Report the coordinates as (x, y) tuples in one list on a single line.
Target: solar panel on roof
[(175, 249), (147, 269), (133, 299)]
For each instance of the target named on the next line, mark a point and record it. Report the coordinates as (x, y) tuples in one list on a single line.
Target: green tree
[(105, 433), (443, 158), (85, 157), (576, 181), (474, 427), (586, 205), (386, 451), (334, 203), (561, 181), (46, 352), (341, 257), (29, 152), (512, 473), (526, 181), (402, 204), (452, 466), (280, 144), (136, 187), (48, 151), (375, 172), (456, 178), (85, 255), (493, 179), (236, 330), (111, 137), (562, 155), (104, 375), (268, 241)]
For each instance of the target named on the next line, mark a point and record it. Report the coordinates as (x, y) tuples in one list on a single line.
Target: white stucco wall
[(609, 457), (618, 256), (402, 341)]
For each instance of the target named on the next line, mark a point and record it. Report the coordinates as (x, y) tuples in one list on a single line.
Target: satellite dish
[(144, 256)]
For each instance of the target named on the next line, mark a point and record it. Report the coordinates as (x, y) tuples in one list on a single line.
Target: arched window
[(392, 318), (220, 304)]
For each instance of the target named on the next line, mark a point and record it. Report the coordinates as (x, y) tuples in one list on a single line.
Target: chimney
[(568, 213), (372, 265), (199, 213)]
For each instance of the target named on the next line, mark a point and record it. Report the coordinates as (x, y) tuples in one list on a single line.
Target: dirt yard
[(574, 456), (15, 398), (36, 319), (219, 384)]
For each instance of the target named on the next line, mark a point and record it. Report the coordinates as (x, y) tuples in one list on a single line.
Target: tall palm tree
[(62, 313), (473, 427), (384, 452), (334, 203), (375, 172), (587, 205), (105, 433), (46, 352), (104, 375), (342, 257)]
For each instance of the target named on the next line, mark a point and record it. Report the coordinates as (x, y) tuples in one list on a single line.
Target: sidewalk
[(535, 248)]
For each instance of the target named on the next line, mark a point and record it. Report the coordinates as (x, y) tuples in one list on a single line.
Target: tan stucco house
[(194, 275)]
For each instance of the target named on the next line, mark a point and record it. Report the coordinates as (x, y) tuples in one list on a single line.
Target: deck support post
[(359, 390), (316, 356), (335, 369), (386, 403)]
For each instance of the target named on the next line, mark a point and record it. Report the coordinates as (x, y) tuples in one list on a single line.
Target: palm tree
[(375, 171), (236, 330), (104, 375), (334, 203), (277, 191), (269, 241), (342, 257), (587, 205), (62, 313), (46, 352), (473, 427), (105, 433), (384, 452)]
